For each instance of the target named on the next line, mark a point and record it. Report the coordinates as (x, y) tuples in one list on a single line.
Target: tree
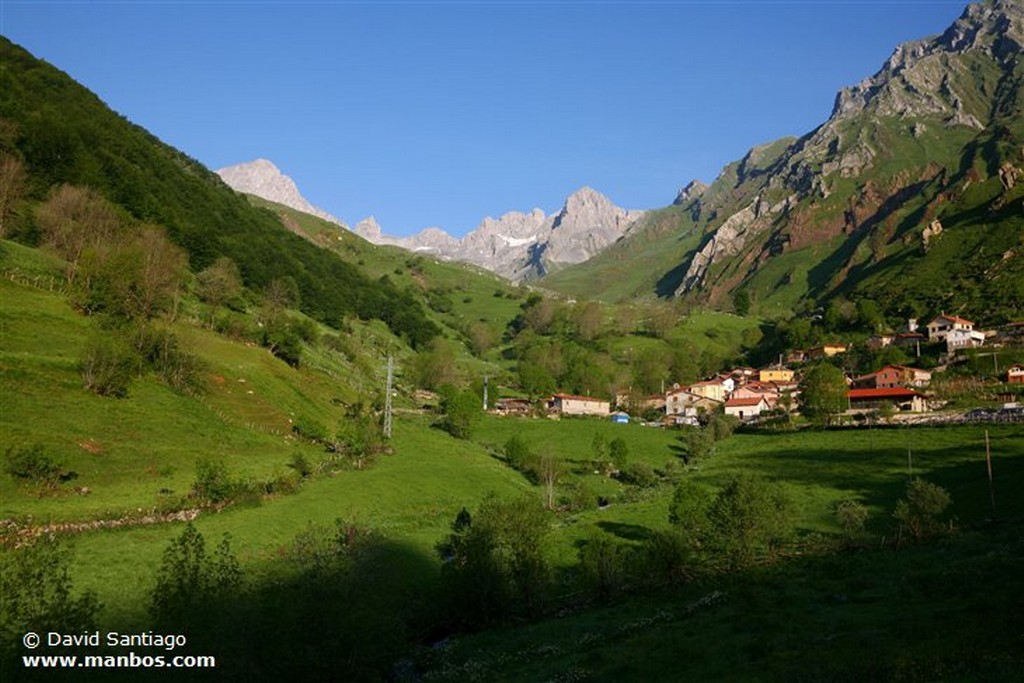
[(219, 284), (434, 366), (688, 511), (748, 516), (921, 506), (823, 393), (74, 220), (481, 338), (133, 279), (13, 180), (741, 302), (461, 410), (37, 594), (494, 560), (588, 318), (188, 580), (618, 451), (549, 469)]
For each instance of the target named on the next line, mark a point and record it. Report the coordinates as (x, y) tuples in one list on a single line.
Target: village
[(895, 392)]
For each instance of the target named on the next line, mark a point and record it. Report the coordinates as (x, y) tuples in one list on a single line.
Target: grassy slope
[(923, 611)]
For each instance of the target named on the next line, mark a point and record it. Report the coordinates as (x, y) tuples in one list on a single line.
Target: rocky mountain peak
[(916, 79), (694, 188), (263, 179)]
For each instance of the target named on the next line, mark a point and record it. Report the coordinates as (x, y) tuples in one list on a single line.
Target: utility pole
[(485, 393), (387, 398)]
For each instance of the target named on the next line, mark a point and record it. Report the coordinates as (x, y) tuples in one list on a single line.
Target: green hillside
[(63, 134)]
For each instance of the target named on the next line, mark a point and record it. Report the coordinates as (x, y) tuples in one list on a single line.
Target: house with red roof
[(893, 376), (746, 408), (903, 399), (1015, 374)]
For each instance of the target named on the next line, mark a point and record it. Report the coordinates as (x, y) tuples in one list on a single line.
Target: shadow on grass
[(629, 532)]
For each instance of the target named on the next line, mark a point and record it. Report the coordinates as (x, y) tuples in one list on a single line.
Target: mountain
[(263, 179), (63, 134), (524, 246), (933, 143)]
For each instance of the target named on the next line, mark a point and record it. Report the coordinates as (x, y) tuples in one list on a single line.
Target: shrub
[(748, 516), (188, 579), (851, 515), (36, 594), (108, 367), (602, 565), (212, 483), (34, 464), (310, 429), (300, 464), (919, 510), (639, 474)]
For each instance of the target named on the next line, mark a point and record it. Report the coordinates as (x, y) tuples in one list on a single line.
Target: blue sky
[(440, 113)]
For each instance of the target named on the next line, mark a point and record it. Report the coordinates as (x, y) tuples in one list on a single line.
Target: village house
[(566, 404), (901, 398), (879, 341), (776, 373), (826, 350), (717, 389), (893, 376), (1015, 374), (746, 408), (909, 339), (683, 402), (767, 390), (964, 339), (743, 375), (512, 406), (628, 400), (940, 328)]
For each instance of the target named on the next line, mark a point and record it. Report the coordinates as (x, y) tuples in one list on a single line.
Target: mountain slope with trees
[(61, 134)]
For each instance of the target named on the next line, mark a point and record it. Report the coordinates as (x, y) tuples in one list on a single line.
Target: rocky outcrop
[(263, 179), (933, 230), (522, 246)]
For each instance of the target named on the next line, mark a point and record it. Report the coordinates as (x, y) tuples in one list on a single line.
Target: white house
[(567, 404), (746, 408), (940, 328), (964, 339)]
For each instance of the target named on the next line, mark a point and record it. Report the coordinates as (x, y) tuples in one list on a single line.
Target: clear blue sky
[(440, 113)]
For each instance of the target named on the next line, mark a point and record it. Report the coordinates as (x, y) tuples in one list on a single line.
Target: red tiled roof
[(953, 319), (739, 402), (895, 392)]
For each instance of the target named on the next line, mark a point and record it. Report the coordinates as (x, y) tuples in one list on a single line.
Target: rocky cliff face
[(928, 101), (263, 179), (523, 246)]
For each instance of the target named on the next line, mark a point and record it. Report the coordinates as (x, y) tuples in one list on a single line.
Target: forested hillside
[(63, 134)]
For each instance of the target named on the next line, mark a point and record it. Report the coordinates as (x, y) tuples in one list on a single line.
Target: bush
[(159, 349), (639, 474), (34, 464), (851, 515), (919, 510), (602, 565), (108, 367), (188, 580), (749, 515), (212, 483), (519, 456), (310, 429), (36, 594), (300, 464)]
